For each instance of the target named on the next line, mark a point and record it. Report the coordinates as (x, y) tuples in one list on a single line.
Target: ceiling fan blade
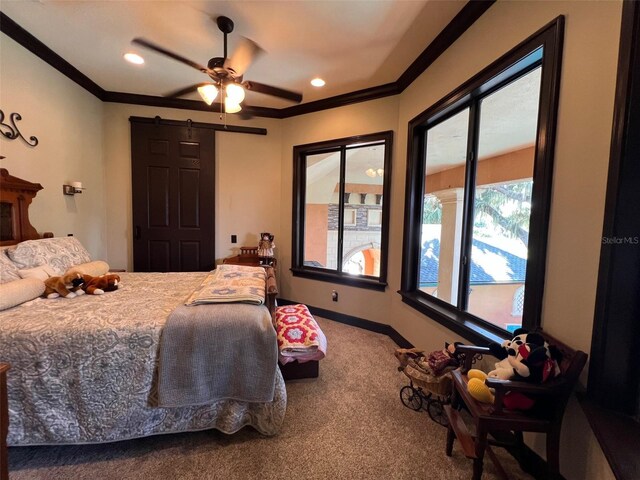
[(186, 90), (243, 56), (273, 91), (157, 48), (246, 113)]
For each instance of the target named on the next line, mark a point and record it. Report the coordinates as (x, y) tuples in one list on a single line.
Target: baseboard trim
[(529, 461), (356, 322)]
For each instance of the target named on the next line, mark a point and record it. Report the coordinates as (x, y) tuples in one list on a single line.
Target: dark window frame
[(300, 153), (499, 73), (612, 403)]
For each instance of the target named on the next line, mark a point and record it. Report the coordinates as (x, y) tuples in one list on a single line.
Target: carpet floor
[(347, 424)]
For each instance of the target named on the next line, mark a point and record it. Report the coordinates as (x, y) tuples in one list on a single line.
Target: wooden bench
[(506, 426)]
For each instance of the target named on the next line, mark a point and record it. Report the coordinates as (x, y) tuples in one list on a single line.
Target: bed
[(85, 370)]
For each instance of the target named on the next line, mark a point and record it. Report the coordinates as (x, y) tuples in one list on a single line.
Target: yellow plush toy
[(529, 358), (477, 387)]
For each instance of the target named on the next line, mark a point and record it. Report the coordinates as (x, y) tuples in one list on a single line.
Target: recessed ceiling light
[(134, 58), (317, 82)]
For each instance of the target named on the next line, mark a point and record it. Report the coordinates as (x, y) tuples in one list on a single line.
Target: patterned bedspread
[(83, 369), (231, 284)]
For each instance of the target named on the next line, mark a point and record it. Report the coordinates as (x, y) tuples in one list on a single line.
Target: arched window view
[(363, 262), (500, 204)]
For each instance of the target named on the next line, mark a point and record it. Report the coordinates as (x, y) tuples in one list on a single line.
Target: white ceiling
[(351, 44)]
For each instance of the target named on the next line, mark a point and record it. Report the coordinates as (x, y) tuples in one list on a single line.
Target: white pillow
[(20, 291), (8, 269), (58, 252), (41, 272), (95, 268)]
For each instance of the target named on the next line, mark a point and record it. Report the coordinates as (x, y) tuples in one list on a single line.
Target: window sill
[(474, 330), (340, 279)]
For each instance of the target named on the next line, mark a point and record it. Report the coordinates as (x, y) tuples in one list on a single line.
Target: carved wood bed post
[(16, 195), (271, 292)]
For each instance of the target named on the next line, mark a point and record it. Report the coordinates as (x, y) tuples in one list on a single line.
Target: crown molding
[(341, 100), (471, 12), (466, 17)]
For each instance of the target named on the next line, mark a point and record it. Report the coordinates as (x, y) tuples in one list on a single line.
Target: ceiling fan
[(226, 73)]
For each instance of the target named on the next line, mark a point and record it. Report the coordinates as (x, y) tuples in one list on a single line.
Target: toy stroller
[(429, 379)]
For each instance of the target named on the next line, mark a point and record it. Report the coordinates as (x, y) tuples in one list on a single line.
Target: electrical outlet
[(334, 295)]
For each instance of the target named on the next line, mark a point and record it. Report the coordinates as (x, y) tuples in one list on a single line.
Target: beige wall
[(67, 120), (583, 136), (247, 189), (582, 150), (362, 118), (254, 174)]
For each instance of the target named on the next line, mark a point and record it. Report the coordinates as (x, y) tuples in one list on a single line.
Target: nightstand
[(249, 257)]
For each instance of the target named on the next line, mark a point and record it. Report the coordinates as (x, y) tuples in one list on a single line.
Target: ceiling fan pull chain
[(223, 116)]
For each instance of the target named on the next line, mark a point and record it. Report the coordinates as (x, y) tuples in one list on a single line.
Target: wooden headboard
[(16, 195)]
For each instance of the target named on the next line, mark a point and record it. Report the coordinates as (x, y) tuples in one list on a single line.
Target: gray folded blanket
[(215, 352)]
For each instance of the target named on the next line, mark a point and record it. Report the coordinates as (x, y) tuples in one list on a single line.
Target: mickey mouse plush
[(101, 284), (527, 357), (503, 369), (535, 362)]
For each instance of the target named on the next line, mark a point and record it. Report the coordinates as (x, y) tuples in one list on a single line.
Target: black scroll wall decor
[(12, 131)]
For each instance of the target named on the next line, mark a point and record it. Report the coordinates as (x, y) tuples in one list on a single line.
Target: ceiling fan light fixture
[(370, 172), (208, 93), (225, 73), (231, 106), (133, 58), (235, 93), (380, 172), (318, 82)]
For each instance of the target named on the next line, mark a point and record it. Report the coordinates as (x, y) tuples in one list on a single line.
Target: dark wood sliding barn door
[(172, 170)]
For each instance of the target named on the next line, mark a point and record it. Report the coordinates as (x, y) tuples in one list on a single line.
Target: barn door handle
[(137, 233)]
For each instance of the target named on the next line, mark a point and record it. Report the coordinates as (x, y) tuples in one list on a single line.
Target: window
[(340, 222), (478, 191), (374, 218), (350, 217)]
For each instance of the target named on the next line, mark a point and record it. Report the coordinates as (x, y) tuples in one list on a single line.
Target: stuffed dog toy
[(67, 286), (101, 284)]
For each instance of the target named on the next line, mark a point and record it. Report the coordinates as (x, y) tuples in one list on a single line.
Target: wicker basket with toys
[(429, 379)]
